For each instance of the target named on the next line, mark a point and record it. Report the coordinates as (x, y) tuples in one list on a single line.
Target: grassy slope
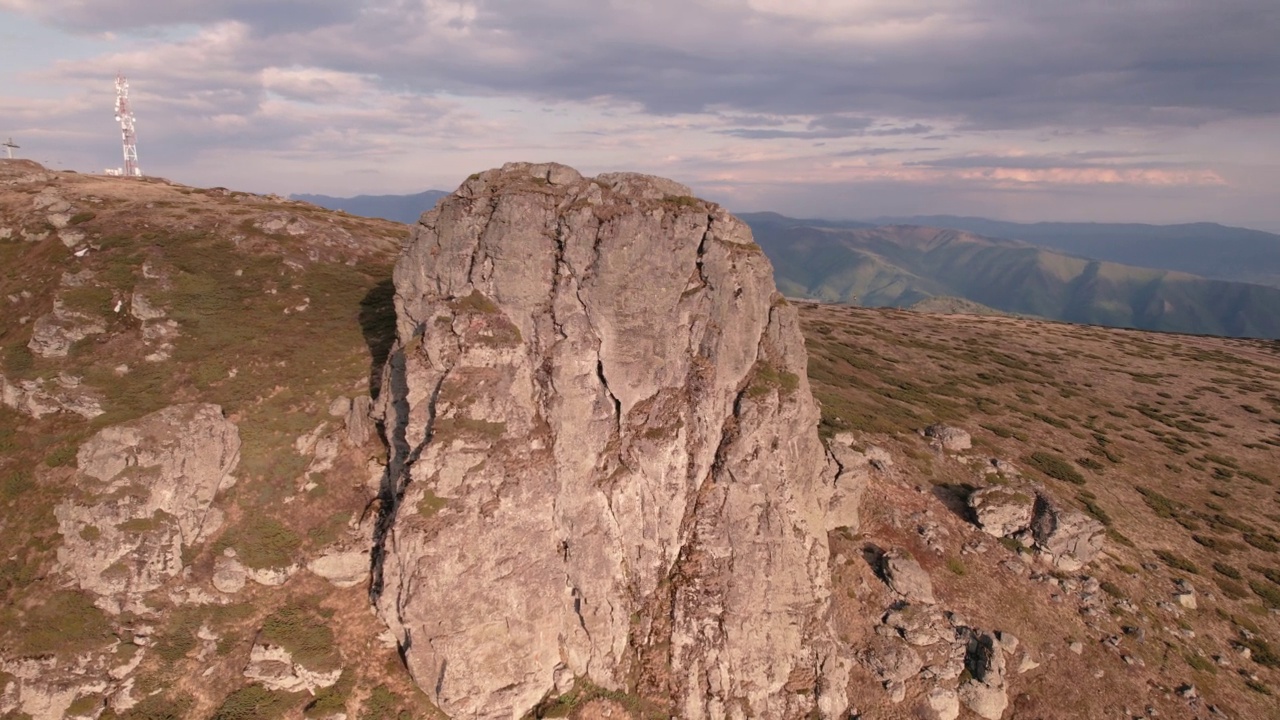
[(1192, 422), (235, 289), (900, 265)]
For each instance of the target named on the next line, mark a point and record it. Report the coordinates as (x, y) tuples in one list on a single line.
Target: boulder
[(905, 576), (55, 332), (1066, 538), (951, 439), (343, 569), (891, 660), (919, 625), (986, 692), (1002, 511), (944, 704), (596, 383)]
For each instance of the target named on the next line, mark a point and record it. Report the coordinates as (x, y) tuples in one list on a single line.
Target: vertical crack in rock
[(621, 480)]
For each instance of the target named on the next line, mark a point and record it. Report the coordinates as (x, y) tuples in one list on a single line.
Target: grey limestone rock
[(986, 692), (905, 576), (1001, 510), (147, 491), (605, 461), (1069, 539), (54, 332), (952, 439)]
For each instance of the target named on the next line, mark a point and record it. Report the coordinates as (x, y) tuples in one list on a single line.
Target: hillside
[(900, 265), (1170, 441), (396, 208), (1207, 249), (192, 478), (127, 297)]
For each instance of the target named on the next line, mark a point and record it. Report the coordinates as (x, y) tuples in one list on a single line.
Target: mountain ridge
[(899, 265)]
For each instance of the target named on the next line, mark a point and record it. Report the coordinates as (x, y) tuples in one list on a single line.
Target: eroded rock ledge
[(605, 458)]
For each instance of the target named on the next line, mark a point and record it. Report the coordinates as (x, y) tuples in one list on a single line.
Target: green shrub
[(1265, 543), (1269, 593), (1228, 570), (66, 623), (304, 634), (1177, 562), (253, 702), (1201, 663), (263, 542), (154, 707), (382, 704), (1055, 466), (62, 456), (1231, 588), (331, 700)]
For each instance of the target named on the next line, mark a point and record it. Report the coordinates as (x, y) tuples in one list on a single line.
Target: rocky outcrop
[(1066, 539), (277, 669), (146, 491), (55, 332), (38, 398), (605, 458)]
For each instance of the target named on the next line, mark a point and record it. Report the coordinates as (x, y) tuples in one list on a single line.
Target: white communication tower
[(9, 147), (124, 116)]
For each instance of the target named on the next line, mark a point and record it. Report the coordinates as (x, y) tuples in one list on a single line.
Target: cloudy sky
[(1107, 110)]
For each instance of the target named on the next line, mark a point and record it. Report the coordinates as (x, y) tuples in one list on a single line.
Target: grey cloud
[(994, 64), (1045, 161)]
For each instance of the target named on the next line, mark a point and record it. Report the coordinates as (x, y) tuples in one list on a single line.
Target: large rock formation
[(605, 459), (145, 491)]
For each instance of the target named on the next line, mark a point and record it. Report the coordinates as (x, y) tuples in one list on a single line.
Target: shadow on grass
[(378, 324)]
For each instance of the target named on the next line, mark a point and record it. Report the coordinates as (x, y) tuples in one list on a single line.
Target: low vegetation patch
[(1055, 466), (304, 633)]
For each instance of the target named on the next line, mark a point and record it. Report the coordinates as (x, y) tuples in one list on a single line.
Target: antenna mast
[(124, 116), (9, 147)]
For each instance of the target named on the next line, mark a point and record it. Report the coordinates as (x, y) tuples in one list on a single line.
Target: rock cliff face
[(605, 458)]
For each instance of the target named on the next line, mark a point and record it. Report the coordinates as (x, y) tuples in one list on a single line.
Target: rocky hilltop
[(562, 443), (606, 463)]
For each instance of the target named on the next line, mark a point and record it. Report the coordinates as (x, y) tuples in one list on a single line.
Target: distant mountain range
[(1205, 249), (397, 208), (905, 265), (1199, 278)]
